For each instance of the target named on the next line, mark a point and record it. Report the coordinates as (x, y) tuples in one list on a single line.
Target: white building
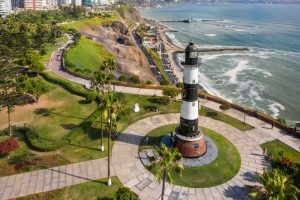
[(5, 7)]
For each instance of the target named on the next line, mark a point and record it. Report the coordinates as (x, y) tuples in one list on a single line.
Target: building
[(77, 2), (40, 4), (5, 7), (17, 4), (189, 138)]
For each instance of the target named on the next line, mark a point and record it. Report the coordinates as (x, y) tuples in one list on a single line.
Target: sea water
[(267, 77)]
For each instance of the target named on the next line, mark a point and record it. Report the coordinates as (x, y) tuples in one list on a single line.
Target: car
[(295, 126), (152, 108)]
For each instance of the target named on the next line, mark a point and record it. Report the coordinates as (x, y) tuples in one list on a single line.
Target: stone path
[(53, 178), (132, 173)]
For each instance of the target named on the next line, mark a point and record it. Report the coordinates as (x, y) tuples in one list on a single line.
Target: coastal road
[(153, 67)]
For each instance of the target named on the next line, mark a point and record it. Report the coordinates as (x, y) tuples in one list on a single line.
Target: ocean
[(267, 78)]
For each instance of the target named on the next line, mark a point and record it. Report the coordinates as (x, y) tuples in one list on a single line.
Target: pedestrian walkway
[(134, 175), (263, 131), (53, 178)]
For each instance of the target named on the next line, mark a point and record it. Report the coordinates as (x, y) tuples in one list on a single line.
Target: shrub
[(225, 106), (90, 97), (281, 121), (8, 146), (125, 193), (171, 92), (135, 79), (212, 114), (163, 100), (71, 87), (148, 82), (179, 85), (122, 79), (164, 82)]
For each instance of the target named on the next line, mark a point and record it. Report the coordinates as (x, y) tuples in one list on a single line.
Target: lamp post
[(109, 135), (245, 115)]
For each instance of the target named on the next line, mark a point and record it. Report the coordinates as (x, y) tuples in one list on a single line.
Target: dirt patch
[(128, 55), (25, 114)]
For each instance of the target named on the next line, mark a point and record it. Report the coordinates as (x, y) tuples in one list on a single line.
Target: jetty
[(208, 50)]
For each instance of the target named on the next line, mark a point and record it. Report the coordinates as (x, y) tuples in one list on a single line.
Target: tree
[(35, 87), (276, 186), (109, 65), (99, 84), (9, 97), (125, 193), (169, 162), (113, 106), (171, 92)]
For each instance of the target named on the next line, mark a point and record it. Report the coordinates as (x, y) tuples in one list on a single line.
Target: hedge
[(71, 87), (36, 143), (34, 140)]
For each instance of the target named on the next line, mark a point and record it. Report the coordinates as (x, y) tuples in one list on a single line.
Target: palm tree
[(113, 106), (169, 162), (109, 65), (276, 186), (100, 85)]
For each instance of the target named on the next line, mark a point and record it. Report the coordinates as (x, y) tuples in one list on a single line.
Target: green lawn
[(276, 146), (92, 190), (207, 112), (87, 22), (86, 57), (157, 60), (155, 136), (221, 170)]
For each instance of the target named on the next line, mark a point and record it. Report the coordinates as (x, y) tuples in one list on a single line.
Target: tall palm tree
[(99, 84), (109, 65), (169, 162), (276, 186), (114, 106)]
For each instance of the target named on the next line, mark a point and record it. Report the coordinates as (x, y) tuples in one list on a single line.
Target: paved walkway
[(53, 178), (262, 132), (132, 173)]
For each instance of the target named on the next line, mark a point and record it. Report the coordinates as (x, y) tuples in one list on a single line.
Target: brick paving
[(132, 173), (53, 178)]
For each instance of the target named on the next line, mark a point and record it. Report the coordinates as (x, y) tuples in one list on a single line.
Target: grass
[(86, 57), (87, 22), (276, 146), (221, 170), (207, 112), (158, 62), (155, 136), (96, 190)]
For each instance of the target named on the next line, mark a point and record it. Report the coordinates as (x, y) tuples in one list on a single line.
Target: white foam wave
[(174, 40), (210, 34), (275, 108), (239, 30), (232, 74)]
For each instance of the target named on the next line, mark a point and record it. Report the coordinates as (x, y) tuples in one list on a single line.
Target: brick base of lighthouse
[(190, 147)]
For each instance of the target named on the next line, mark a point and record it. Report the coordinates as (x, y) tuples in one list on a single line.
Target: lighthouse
[(189, 138)]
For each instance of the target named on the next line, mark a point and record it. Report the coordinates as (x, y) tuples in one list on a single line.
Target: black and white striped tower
[(189, 138)]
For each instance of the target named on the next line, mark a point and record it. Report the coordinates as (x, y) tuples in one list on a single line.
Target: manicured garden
[(96, 189), (86, 57), (225, 167)]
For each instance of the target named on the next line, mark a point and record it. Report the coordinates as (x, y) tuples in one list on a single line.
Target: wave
[(275, 108), (210, 34), (241, 66), (174, 40)]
